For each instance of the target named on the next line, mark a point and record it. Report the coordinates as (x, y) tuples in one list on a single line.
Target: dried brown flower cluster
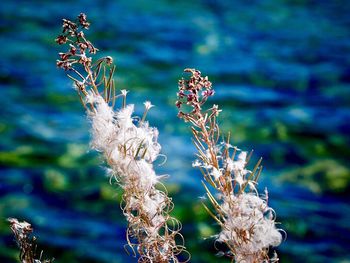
[(193, 92), (78, 45), (247, 222), (26, 243), (129, 146), (86, 73)]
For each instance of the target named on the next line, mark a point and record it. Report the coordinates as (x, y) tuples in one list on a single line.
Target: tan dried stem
[(26, 242)]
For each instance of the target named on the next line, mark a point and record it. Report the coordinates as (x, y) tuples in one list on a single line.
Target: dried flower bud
[(181, 114), (208, 93), (64, 56), (83, 21), (69, 26), (81, 34), (82, 47), (61, 39), (66, 65), (109, 60), (190, 97), (72, 50), (178, 104)]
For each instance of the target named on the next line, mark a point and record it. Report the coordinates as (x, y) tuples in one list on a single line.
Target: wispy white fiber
[(249, 226)]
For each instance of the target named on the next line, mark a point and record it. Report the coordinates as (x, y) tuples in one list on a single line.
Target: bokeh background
[(281, 71)]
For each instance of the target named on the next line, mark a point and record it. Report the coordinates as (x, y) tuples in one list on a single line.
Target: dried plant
[(129, 146), (247, 222), (26, 242)]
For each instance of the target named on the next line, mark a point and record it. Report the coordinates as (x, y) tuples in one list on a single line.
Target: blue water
[(281, 74)]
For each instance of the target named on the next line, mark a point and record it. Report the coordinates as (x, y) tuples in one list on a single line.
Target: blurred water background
[(281, 71)]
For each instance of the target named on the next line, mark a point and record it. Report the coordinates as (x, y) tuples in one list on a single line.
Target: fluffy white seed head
[(131, 147), (248, 226)]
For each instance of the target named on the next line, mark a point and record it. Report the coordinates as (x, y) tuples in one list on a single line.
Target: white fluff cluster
[(237, 168), (111, 129), (130, 149), (249, 226)]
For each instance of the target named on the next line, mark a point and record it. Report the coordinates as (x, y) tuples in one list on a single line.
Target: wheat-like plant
[(22, 232), (129, 146), (247, 222)]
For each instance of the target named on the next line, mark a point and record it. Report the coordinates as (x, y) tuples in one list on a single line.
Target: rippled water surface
[(281, 74)]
